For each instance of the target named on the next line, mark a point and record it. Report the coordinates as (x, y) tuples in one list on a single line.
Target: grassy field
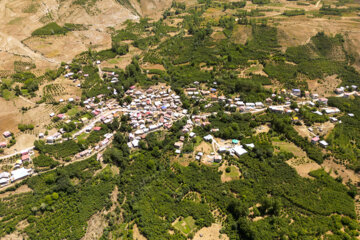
[(234, 172), (8, 95), (186, 226), (73, 111)]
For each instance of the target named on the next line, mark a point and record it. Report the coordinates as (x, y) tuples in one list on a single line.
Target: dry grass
[(211, 233)]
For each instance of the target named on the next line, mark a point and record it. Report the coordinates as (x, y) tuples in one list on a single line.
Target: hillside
[(177, 120)]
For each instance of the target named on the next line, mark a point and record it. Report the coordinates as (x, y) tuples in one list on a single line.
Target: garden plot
[(301, 163), (185, 225), (229, 173)]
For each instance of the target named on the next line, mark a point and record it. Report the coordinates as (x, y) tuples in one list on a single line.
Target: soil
[(303, 166), (136, 234), (96, 225), (324, 87), (22, 189), (211, 233), (303, 131), (262, 129), (342, 171)]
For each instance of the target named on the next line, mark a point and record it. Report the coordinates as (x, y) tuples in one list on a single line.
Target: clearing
[(211, 233), (22, 189), (234, 173), (185, 225), (301, 163), (136, 234)]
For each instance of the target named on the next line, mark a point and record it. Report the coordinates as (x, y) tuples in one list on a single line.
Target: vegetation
[(50, 29)]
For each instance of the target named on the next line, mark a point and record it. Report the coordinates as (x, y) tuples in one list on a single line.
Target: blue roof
[(163, 107), (235, 141)]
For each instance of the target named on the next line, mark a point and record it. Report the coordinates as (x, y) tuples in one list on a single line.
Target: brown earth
[(136, 234), (21, 17), (96, 225), (211, 233), (303, 166), (19, 190), (324, 87)]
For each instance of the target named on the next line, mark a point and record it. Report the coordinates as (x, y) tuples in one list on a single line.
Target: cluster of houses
[(6, 134), (18, 172), (234, 148), (98, 147), (151, 110)]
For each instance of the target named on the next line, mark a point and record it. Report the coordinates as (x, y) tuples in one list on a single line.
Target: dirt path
[(27, 100)]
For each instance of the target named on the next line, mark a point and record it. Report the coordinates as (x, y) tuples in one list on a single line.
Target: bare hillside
[(21, 17)]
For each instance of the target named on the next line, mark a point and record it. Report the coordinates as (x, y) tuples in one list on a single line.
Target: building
[(208, 138), (315, 140), (7, 134), (3, 144), (239, 150), (20, 174), (323, 101), (296, 92), (323, 143)]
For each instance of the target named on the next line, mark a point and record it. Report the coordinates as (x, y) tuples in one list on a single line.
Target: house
[(4, 175), (314, 96), (339, 90), (192, 134), (296, 92), (178, 145), (25, 158), (135, 143), (315, 140), (239, 150), (97, 128), (208, 138), (318, 113), (7, 134), (323, 143), (268, 101), (333, 119), (61, 116), (3, 144), (277, 109), (20, 174), (50, 139), (259, 105), (217, 158), (222, 150), (331, 110), (177, 151), (323, 101), (250, 145), (351, 115)]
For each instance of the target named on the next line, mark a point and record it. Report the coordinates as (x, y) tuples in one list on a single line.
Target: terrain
[(180, 119)]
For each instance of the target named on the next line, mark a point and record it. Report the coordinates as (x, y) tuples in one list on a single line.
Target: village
[(156, 108)]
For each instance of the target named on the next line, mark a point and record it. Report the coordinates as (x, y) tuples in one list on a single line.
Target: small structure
[(239, 150), (217, 158), (296, 92), (315, 140), (178, 145), (208, 138), (323, 143), (3, 144), (7, 134), (97, 128)]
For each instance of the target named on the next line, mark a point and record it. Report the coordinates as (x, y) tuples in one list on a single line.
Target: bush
[(50, 29)]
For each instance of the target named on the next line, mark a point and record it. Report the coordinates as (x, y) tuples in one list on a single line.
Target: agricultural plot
[(186, 225)]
